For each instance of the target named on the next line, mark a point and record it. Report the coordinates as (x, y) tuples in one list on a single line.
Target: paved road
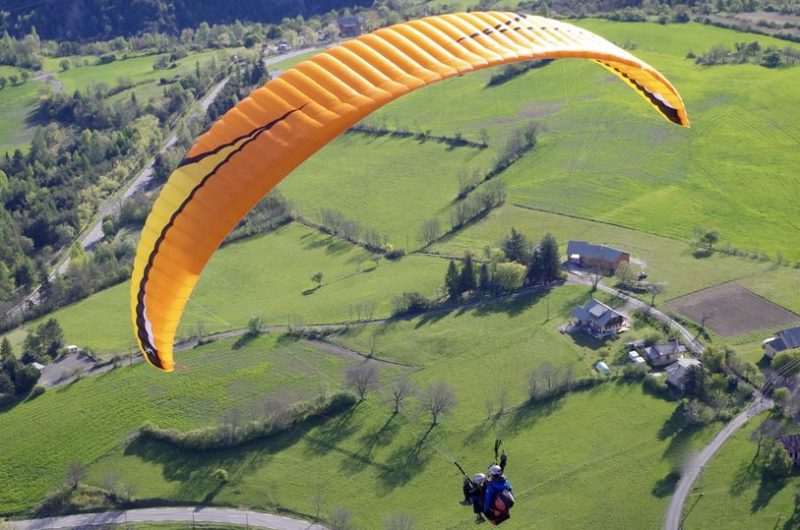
[(674, 519), (205, 515)]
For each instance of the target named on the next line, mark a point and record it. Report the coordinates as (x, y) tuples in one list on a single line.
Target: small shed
[(72, 348), (38, 366), (603, 368), (633, 355)]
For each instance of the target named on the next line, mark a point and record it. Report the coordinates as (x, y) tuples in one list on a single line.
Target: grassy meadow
[(735, 494), (607, 169), (605, 155), (268, 276), (568, 448), (17, 103)]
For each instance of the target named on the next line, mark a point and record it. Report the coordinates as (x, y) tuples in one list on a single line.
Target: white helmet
[(480, 478), (495, 470)]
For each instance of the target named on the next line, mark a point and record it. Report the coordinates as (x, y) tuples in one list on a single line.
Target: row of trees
[(436, 400), (16, 378), (749, 52)]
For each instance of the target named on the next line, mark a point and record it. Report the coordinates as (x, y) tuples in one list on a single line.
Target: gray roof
[(589, 250), (790, 337), (663, 349), (597, 312)]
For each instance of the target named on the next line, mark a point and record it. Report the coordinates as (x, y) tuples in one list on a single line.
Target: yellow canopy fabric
[(268, 134)]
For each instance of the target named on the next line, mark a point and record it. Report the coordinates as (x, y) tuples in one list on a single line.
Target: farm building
[(792, 444), (676, 372), (783, 340), (664, 353), (598, 319), (590, 255), (350, 26)]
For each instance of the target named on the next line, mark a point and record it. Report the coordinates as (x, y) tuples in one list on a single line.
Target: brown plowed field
[(731, 310)]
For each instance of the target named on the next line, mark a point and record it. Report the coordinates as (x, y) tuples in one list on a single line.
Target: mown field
[(734, 493), (607, 169), (269, 276), (565, 449), (17, 103), (606, 156)]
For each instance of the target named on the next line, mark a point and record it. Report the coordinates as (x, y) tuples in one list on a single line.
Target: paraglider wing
[(265, 136)]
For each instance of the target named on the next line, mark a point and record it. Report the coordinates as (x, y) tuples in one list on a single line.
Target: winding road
[(674, 519), (170, 514)]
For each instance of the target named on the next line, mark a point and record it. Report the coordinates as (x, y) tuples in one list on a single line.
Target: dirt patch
[(529, 112), (731, 310)]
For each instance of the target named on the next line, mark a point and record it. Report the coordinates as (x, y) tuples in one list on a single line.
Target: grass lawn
[(493, 343), (93, 416), (137, 69), (604, 155), (732, 495), (667, 260), (558, 452), (388, 185), (265, 276), (17, 103)]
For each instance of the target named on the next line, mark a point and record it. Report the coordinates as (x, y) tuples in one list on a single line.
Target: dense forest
[(106, 19)]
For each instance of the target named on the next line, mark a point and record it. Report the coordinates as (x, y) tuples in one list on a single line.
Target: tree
[(14, 79), (697, 413), (317, 278), (769, 430), (3, 82), (64, 64), (517, 247), (25, 75), (340, 519), (362, 377), (254, 325), (509, 276), (429, 231), (401, 389), (625, 274), (75, 472), (708, 238), (596, 274), (484, 280), (452, 281), (399, 521), (51, 337), (6, 351), (778, 462), (551, 262), (655, 289), (467, 279), (438, 399)]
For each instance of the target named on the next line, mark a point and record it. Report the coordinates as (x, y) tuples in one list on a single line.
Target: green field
[(17, 103), (565, 449), (388, 185), (137, 69), (606, 156), (733, 495), (264, 276), (665, 260)]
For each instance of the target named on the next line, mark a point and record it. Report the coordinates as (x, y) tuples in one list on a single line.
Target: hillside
[(106, 19), (605, 453)]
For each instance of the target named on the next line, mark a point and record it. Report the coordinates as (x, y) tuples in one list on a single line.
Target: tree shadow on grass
[(665, 487), (532, 411), (405, 462), (333, 432), (244, 340), (584, 340), (673, 425), (769, 486), (512, 305), (744, 478), (194, 469), (363, 457)]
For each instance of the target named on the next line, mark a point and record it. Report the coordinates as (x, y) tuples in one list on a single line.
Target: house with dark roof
[(792, 444), (350, 26), (664, 353), (598, 319), (677, 372), (591, 255), (786, 339)]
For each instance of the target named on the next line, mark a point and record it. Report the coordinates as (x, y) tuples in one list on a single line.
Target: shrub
[(409, 303), (656, 385), (37, 391)]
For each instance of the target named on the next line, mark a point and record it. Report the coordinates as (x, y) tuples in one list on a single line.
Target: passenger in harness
[(474, 490), (498, 498)]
